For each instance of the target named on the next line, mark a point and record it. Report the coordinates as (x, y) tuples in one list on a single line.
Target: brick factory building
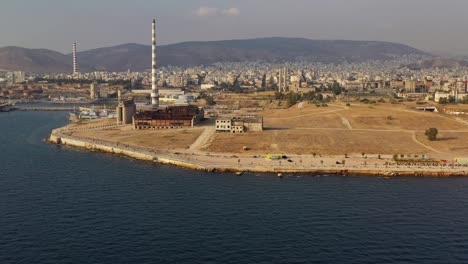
[(170, 117)]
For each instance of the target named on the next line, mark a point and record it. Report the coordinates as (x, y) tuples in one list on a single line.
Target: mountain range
[(137, 57), (442, 63)]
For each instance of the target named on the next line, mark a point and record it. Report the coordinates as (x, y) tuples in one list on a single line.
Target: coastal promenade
[(194, 158)]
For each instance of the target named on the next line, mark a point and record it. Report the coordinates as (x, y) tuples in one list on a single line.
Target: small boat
[(88, 115), (74, 113), (280, 175)]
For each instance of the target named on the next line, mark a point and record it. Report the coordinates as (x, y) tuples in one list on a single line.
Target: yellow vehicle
[(275, 156)]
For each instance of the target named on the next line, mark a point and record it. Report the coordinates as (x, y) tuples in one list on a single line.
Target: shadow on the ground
[(446, 138), (275, 128)]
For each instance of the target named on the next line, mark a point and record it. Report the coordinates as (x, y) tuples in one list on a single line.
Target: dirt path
[(204, 139), (345, 121), (415, 139), (459, 120)]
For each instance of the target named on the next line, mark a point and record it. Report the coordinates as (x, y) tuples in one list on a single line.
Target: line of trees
[(208, 99), (451, 100), (292, 98)]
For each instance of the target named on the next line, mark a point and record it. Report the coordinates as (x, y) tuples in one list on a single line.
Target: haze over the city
[(432, 25)]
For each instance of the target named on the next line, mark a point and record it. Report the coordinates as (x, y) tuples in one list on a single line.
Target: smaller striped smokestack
[(75, 65)]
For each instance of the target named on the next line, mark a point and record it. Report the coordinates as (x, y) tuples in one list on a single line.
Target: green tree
[(292, 98), (273, 87), (319, 97), (279, 96), (209, 100), (336, 88), (464, 100), (451, 99), (431, 133), (443, 100)]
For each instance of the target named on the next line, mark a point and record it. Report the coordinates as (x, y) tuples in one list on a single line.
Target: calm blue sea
[(64, 205)]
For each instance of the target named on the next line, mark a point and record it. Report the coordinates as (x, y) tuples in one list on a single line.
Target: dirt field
[(308, 116), (159, 139), (448, 143), (304, 141), (387, 116), (91, 124), (338, 129)]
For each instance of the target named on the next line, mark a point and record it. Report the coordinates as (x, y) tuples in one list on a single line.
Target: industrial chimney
[(154, 87), (75, 66)]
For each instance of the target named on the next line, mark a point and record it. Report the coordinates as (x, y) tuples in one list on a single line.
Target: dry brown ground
[(337, 142), (387, 116), (329, 120), (462, 107), (321, 130), (450, 144), (360, 116), (91, 123), (300, 131), (159, 139), (307, 116), (307, 109)]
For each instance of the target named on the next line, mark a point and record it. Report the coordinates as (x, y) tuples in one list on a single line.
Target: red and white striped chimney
[(154, 87), (75, 66)]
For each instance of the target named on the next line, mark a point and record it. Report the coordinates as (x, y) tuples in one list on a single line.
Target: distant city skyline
[(431, 25)]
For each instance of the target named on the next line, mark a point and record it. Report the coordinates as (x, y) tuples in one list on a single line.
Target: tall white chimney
[(154, 87)]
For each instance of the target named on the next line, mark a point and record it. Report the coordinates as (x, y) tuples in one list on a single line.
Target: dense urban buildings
[(368, 77)]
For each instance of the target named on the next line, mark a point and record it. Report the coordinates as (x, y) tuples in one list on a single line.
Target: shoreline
[(59, 137)]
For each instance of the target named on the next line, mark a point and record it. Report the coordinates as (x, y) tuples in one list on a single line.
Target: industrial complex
[(157, 116), (323, 120)]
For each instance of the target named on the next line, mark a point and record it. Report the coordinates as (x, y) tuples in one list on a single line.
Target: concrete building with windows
[(223, 125), (239, 124), (126, 109), (93, 91), (410, 86)]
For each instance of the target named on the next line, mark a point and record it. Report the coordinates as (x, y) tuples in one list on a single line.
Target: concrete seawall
[(59, 136), (81, 143)]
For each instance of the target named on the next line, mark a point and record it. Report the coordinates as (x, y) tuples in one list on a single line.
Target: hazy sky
[(431, 25)]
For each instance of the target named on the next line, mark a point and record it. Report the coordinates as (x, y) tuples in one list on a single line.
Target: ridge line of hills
[(137, 57)]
